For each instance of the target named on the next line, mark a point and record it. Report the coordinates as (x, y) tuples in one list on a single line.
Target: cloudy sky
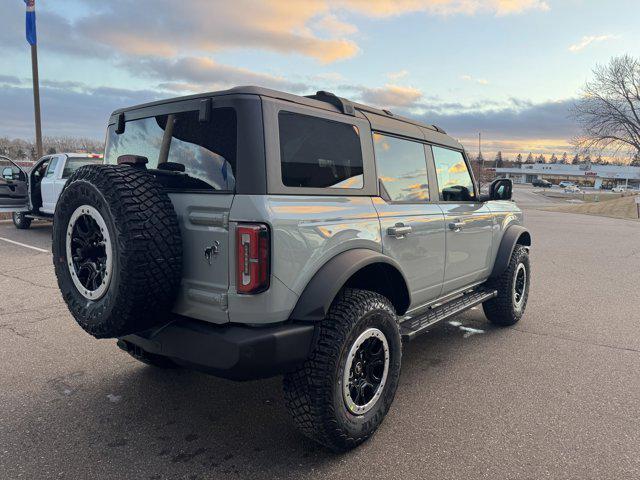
[(508, 68)]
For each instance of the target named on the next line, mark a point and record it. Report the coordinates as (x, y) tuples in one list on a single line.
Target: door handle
[(456, 226), (399, 230)]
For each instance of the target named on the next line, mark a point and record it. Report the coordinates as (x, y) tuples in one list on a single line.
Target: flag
[(31, 21)]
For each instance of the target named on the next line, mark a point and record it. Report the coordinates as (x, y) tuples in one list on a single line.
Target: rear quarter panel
[(306, 231)]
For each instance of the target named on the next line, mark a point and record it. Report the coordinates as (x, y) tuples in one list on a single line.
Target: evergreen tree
[(587, 159), (529, 158), (553, 159), (51, 151), (576, 160), (519, 158), (541, 159), (635, 161), (564, 160), (499, 161)]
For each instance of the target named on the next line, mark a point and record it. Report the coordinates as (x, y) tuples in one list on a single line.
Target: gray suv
[(249, 233)]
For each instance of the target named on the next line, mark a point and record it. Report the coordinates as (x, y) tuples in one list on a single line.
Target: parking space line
[(25, 245)]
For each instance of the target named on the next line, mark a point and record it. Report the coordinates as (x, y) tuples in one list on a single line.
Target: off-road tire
[(313, 393), (146, 249), (20, 221), (503, 310)]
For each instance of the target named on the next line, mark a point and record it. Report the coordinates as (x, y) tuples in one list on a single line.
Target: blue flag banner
[(31, 21)]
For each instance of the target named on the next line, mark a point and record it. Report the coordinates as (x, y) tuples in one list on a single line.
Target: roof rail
[(438, 129), (344, 105)]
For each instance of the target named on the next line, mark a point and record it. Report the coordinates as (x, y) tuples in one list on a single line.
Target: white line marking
[(25, 245)]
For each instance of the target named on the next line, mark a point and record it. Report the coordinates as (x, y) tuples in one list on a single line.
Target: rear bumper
[(231, 351)]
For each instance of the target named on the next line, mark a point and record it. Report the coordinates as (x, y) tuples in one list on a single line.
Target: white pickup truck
[(34, 194)]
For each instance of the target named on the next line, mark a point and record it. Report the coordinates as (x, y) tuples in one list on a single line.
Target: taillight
[(252, 253)]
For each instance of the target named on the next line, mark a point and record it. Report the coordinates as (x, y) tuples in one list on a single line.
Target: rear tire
[(513, 290), (360, 336), (20, 221)]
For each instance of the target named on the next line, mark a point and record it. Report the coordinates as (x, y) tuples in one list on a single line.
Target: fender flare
[(515, 234), (323, 287)]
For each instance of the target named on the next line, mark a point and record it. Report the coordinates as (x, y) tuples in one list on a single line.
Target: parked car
[(541, 182), (249, 233), (34, 194), (618, 189), (572, 189), (565, 184)]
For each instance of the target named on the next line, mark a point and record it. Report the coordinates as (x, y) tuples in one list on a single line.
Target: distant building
[(588, 175)]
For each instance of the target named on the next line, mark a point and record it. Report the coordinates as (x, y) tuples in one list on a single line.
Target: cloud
[(390, 96), (79, 112), (386, 8), (191, 74), (469, 78), (397, 75), (590, 40)]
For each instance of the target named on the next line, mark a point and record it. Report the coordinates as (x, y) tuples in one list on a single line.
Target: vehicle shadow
[(150, 423)]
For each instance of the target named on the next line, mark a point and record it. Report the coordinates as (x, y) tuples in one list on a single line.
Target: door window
[(200, 155), (74, 163), (402, 169), (454, 180), (52, 167), (319, 153)]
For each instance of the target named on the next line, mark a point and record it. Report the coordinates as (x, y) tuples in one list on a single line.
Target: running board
[(414, 326)]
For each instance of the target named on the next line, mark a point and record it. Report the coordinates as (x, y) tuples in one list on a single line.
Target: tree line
[(25, 150), (564, 159)]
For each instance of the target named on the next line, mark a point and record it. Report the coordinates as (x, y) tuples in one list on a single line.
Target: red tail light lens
[(252, 252)]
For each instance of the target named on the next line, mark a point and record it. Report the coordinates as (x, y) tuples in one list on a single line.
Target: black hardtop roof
[(322, 99)]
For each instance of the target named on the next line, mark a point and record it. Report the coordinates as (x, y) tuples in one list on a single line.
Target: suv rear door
[(195, 159), (468, 222), (14, 192), (412, 226)]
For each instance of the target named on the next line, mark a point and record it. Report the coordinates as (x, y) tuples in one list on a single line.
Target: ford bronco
[(249, 233)]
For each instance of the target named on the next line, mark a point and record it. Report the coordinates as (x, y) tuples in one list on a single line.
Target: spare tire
[(117, 249)]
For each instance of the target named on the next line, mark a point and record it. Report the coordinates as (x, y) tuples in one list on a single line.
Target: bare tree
[(608, 111)]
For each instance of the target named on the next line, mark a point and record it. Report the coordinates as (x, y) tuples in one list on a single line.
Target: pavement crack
[(575, 340), (13, 277)]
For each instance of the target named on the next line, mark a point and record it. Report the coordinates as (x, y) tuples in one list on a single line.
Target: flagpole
[(36, 99)]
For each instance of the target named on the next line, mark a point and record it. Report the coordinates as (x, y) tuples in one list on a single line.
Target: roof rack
[(344, 105)]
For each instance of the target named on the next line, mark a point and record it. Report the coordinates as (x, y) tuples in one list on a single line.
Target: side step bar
[(414, 326)]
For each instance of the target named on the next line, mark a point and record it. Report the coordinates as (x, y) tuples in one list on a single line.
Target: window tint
[(205, 150), (74, 163), (319, 153), (52, 167), (402, 168), (454, 179)]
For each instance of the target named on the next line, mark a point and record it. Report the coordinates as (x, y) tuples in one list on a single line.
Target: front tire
[(20, 220), (341, 394), (509, 305)]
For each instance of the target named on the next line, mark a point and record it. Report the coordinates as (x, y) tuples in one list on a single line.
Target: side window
[(319, 153), (195, 155), (402, 168), (52, 167), (75, 163), (454, 180)]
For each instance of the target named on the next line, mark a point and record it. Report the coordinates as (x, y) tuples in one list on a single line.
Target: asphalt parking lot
[(557, 396)]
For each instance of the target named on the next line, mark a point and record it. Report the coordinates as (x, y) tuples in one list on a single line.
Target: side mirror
[(501, 189), (7, 173)]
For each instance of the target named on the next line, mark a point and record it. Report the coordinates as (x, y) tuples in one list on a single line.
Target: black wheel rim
[(520, 284), (366, 371), (89, 252)]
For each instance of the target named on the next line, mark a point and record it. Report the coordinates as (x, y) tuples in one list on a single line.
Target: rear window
[(74, 163), (319, 153), (196, 155)]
